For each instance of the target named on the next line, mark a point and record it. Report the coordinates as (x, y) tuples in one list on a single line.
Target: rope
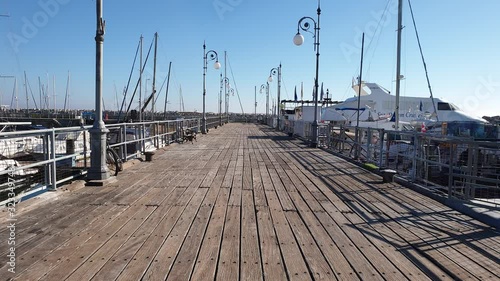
[(423, 60), (235, 87)]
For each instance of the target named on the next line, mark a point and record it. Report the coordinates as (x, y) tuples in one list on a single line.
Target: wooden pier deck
[(246, 203)]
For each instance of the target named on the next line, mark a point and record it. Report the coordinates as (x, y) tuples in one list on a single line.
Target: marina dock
[(245, 202)]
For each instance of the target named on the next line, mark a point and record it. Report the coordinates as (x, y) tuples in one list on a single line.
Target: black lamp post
[(304, 24), (213, 56), (277, 72), (223, 81), (266, 87)]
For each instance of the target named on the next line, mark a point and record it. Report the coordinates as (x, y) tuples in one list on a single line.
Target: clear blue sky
[(459, 39)]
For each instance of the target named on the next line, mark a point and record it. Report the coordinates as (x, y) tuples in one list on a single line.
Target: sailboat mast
[(398, 61), (166, 92), (27, 96), (17, 98), (40, 91), (154, 80), (54, 92), (140, 80)]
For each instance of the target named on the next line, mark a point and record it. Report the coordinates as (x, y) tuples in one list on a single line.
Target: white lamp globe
[(217, 65), (270, 79), (298, 39)]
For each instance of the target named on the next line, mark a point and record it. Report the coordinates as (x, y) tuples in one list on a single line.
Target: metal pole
[(279, 95), (98, 169), (255, 98), (204, 117), (153, 92), (140, 82), (225, 87), (356, 137), (314, 142), (267, 102), (220, 100), (398, 62)]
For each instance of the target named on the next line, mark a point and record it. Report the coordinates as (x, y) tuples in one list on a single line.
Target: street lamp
[(266, 87), (98, 169), (298, 39), (213, 56), (223, 81), (277, 72)]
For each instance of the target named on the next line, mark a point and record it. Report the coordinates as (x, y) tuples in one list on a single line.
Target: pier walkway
[(246, 203)]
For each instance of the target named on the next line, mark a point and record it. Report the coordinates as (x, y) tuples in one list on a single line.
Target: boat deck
[(246, 203)]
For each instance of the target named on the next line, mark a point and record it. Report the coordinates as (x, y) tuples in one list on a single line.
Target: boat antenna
[(423, 61)]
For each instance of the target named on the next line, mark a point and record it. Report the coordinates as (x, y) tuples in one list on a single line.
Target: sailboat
[(378, 108)]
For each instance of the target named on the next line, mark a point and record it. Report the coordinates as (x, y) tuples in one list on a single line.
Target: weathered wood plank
[(229, 261), (251, 267), (206, 263), (269, 246), (295, 264)]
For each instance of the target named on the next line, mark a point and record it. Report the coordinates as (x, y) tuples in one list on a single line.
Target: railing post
[(123, 132), (85, 148), (381, 136), (450, 171), (53, 157), (369, 144), (46, 157), (416, 145), (157, 131)]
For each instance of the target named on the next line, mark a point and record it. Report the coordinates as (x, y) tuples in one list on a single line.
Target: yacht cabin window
[(446, 106)]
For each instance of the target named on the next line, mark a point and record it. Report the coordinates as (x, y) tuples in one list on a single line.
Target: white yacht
[(377, 108)]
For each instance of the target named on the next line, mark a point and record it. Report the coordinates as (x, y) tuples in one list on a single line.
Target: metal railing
[(461, 169), (38, 160)]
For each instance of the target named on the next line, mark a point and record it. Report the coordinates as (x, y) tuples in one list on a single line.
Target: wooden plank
[(396, 249), (48, 248), (117, 262), (251, 267), (136, 268), (282, 193), (319, 268), (87, 251), (66, 249), (294, 263), (272, 262), (185, 260), (228, 179), (167, 253), (137, 211), (208, 255), (420, 240), (229, 261)]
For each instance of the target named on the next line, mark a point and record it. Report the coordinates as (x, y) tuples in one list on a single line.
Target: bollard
[(149, 155), (388, 175)]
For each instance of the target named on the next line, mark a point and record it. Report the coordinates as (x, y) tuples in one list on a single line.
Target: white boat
[(13, 147), (80, 139), (376, 109)]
